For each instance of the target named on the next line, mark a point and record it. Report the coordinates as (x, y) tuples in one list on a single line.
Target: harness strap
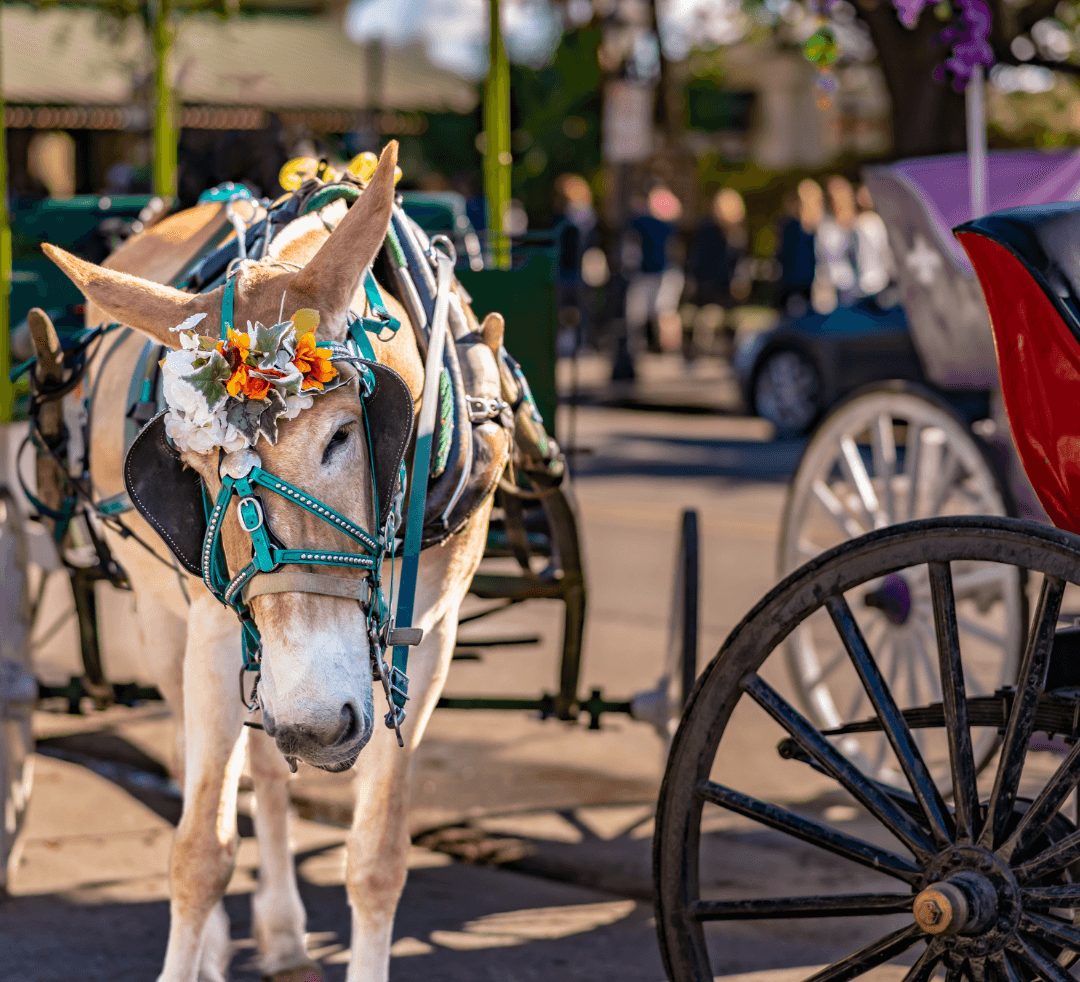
[(297, 581), (418, 493), (227, 307)]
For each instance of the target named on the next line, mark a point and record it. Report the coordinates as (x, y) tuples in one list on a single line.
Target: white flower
[(295, 405), (180, 395), (189, 341), (191, 323), (204, 437)]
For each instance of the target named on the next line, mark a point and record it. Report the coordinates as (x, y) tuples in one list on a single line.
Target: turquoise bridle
[(241, 473)]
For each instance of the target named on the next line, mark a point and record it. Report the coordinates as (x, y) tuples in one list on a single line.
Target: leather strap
[(227, 307), (297, 581)]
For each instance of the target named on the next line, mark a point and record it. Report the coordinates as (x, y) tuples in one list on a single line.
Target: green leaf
[(267, 341), (255, 418), (210, 379)]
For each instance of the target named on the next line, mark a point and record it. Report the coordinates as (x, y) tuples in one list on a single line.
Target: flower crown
[(230, 393)]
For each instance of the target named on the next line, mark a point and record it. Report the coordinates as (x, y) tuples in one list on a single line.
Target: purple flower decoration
[(970, 46), (908, 10), (968, 37)]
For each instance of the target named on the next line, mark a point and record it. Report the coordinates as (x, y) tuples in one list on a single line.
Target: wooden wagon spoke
[(893, 722), (954, 698), (824, 671), (1064, 895), (1029, 685), (1006, 916), (1058, 933), (944, 482), (982, 633), (884, 448), (967, 582), (924, 632), (1050, 860), (849, 524), (1032, 956), (860, 962), (839, 767), (807, 830), (1041, 812), (926, 967), (913, 466), (851, 463), (841, 905), (1002, 968)]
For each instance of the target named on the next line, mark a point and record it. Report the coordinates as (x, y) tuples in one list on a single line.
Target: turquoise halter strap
[(242, 472)]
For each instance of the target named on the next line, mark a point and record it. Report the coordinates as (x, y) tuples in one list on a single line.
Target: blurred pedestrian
[(576, 219), (718, 271), (804, 210), (836, 281), (873, 257), (717, 252), (656, 286)]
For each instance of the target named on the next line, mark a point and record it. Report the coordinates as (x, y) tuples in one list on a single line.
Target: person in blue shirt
[(797, 248), (655, 281)]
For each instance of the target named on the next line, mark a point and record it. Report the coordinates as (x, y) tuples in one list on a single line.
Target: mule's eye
[(341, 436)]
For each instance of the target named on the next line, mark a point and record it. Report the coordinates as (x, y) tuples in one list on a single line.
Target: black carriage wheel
[(978, 880)]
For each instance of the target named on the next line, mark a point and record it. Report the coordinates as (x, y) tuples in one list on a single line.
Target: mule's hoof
[(302, 973)]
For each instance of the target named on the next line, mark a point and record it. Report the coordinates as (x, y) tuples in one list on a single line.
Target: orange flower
[(237, 381), (236, 349), (313, 363), (256, 387), (240, 342)]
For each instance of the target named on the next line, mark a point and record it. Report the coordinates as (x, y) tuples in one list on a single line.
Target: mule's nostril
[(349, 724)]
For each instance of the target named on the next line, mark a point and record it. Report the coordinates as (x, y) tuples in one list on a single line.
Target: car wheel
[(786, 391)]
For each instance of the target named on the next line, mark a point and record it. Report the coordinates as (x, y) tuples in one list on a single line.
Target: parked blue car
[(792, 374)]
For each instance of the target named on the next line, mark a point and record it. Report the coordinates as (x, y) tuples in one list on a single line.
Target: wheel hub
[(972, 902), (892, 598)]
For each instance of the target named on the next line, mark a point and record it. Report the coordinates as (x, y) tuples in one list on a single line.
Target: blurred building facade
[(287, 77)]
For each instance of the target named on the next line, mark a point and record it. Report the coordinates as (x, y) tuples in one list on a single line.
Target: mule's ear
[(492, 330), (331, 279), (150, 307)]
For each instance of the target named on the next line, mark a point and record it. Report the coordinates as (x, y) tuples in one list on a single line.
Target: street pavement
[(532, 838)]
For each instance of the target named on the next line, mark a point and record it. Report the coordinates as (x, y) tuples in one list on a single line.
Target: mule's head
[(315, 689)]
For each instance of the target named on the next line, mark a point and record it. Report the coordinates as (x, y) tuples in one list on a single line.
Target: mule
[(316, 691)]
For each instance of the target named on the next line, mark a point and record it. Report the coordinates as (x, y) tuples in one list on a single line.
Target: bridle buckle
[(250, 513)]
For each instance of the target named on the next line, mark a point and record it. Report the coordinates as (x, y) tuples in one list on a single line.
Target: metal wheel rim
[(733, 673), (831, 463)]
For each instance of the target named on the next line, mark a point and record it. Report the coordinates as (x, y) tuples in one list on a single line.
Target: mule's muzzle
[(331, 745)]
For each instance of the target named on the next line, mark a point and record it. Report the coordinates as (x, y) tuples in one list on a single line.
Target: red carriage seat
[(1028, 263)]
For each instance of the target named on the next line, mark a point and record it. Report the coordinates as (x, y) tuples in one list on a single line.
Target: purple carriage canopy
[(921, 201)]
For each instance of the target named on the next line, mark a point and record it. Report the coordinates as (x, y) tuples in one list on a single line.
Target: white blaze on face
[(311, 670)]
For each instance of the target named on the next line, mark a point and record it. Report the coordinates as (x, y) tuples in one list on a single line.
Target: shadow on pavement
[(628, 453)]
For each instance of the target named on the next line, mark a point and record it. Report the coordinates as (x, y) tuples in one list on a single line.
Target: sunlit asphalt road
[(560, 812)]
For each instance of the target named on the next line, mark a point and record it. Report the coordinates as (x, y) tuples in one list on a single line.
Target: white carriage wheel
[(887, 455), (18, 687)]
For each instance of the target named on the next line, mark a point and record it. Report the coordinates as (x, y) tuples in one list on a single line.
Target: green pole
[(165, 132), (7, 389), (497, 157)]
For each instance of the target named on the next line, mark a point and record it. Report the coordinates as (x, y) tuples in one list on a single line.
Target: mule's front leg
[(206, 841), (277, 911), (378, 844)]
